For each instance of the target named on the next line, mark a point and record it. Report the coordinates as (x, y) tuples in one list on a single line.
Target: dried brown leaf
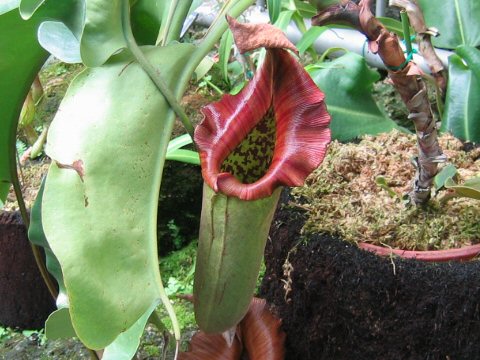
[(249, 37)]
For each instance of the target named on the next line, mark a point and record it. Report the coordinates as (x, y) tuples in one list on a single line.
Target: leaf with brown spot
[(77, 165)]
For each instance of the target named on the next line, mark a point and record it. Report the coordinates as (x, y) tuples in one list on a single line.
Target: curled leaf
[(253, 36), (258, 337)]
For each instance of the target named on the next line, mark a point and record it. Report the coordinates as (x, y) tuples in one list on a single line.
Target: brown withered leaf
[(346, 13), (258, 337), (211, 346), (253, 36), (261, 334)]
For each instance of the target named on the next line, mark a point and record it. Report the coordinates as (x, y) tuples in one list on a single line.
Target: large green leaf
[(457, 21), (347, 83), (108, 142), (103, 34), (37, 236), (20, 60), (462, 103)]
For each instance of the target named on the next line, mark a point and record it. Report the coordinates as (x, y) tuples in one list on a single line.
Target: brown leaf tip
[(249, 37)]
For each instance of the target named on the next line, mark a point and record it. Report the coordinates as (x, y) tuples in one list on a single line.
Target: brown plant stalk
[(424, 36), (407, 80)]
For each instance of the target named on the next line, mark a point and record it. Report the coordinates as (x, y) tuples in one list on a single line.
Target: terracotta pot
[(25, 302), (461, 254)]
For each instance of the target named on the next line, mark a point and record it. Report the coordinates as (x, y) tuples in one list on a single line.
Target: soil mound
[(339, 302)]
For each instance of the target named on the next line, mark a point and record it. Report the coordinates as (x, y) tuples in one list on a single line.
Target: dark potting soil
[(25, 302), (345, 303)]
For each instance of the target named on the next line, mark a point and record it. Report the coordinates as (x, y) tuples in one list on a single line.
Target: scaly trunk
[(406, 78)]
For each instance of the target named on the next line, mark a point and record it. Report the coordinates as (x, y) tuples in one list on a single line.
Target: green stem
[(329, 51), (93, 354), (234, 8), (151, 71), (406, 31), (213, 86), (162, 36), (460, 22), (30, 134), (157, 321), (37, 254), (175, 28)]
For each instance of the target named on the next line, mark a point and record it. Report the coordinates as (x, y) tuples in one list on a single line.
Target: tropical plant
[(130, 91), (458, 28), (273, 133), (95, 214)]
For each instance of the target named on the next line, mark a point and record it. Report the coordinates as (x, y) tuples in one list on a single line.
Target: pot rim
[(461, 254)]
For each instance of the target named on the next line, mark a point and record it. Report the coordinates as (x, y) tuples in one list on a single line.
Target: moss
[(343, 198), (177, 271)]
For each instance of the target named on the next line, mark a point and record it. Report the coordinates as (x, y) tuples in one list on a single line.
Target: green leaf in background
[(284, 19), (126, 344), (4, 189), (305, 9), (179, 142), (299, 22), (8, 5), (102, 35), (185, 156), (471, 56), (21, 59), (347, 83), (224, 50), (204, 67), (117, 148), (462, 102), (448, 171), (394, 26), (309, 38), (36, 235), (59, 40), (274, 7), (146, 18), (174, 151), (470, 188), (457, 21), (28, 7), (59, 325)]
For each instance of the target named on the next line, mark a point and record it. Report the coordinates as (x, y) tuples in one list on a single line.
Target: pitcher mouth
[(273, 133)]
